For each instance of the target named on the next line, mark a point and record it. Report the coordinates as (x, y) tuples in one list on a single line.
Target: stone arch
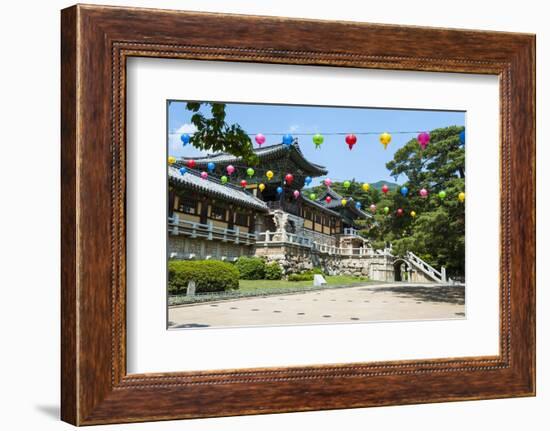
[(400, 266)]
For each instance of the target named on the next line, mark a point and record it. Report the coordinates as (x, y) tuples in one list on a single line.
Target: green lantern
[(386, 210), (223, 179), (313, 196), (442, 194), (250, 172), (347, 184), (318, 139)]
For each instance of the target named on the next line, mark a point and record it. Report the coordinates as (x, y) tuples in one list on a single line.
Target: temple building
[(212, 220)]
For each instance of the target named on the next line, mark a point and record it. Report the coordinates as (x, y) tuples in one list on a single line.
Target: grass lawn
[(332, 280)]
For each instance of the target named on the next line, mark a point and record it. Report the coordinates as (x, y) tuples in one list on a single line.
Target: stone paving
[(384, 302)]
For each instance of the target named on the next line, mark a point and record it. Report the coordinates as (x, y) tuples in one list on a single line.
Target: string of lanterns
[(350, 139)]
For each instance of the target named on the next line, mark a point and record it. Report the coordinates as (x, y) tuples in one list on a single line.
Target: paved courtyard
[(339, 305)]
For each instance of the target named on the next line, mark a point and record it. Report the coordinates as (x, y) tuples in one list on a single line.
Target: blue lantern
[(404, 191), (183, 170), (307, 181), (211, 166), (358, 205), (462, 137), (279, 190), (185, 138), (287, 140)]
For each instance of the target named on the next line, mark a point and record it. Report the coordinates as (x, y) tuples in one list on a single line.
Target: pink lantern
[(204, 175), (385, 189), (260, 139), (296, 194), (423, 139), (399, 212), (230, 169), (372, 208), (328, 199), (328, 182), (423, 193)]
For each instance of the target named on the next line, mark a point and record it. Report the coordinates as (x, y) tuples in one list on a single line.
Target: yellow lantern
[(461, 196), (413, 214), (343, 202), (269, 175), (366, 187), (171, 160), (261, 187), (385, 139)]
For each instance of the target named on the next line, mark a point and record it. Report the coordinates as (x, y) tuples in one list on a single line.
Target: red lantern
[(328, 199), (399, 212), (385, 189), (191, 163), (351, 140), (243, 183), (289, 178)]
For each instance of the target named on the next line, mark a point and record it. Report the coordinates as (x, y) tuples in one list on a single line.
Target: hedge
[(209, 276), (250, 268), (273, 271), (304, 276)]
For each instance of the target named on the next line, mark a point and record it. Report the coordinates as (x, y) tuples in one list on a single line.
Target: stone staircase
[(424, 267)]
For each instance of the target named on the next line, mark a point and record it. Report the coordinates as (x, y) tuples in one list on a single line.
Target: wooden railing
[(177, 226)]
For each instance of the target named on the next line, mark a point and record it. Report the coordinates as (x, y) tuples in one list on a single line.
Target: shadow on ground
[(446, 294), (172, 325)]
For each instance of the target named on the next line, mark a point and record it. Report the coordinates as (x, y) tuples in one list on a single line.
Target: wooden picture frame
[(95, 42)]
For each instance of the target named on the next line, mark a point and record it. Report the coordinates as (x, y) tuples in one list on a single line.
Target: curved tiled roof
[(266, 153), (213, 187)]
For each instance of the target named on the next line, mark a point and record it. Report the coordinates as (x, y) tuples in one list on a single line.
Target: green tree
[(213, 133), (437, 233)]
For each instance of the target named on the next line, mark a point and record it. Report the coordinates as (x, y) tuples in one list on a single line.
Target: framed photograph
[(267, 215)]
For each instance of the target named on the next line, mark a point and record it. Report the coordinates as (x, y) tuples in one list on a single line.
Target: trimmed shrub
[(273, 271), (250, 268), (304, 276), (209, 276)]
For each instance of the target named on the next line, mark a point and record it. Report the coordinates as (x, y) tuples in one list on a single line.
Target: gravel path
[(353, 304)]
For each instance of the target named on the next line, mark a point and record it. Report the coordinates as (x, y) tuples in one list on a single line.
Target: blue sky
[(366, 162)]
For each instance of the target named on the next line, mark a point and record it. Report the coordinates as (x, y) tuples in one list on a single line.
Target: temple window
[(217, 213), (187, 206)]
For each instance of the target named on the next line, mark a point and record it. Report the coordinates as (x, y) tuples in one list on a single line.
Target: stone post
[(191, 288)]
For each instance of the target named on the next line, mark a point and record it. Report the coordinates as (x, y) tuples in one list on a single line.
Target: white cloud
[(294, 128), (175, 146)]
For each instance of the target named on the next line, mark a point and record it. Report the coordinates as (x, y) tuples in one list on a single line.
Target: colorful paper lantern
[(462, 137), (328, 182), (344, 202), (211, 166), (183, 170), (260, 139), (386, 210), (224, 179), (250, 172), (404, 191), (372, 208), (191, 163), (204, 175), (328, 199), (365, 187), (358, 205), (423, 140), (423, 193), (171, 160), (269, 175), (312, 196), (296, 194), (399, 212), (351, 139), (385, 189), (318, 139), (413, 214), (442, 194), (185, 138), (287, 140), (289, 178), (461, 196), (347, 184), (261, 187), (279, 190), (307, 181), (230, 169), (385, 139), (243, 183)]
